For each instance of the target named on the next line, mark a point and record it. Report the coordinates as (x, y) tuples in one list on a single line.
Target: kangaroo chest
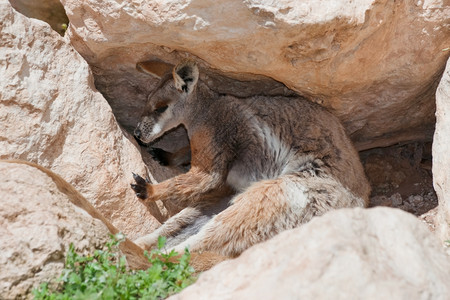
[(264, 156)]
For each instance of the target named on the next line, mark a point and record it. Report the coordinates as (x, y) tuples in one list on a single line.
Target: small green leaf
[(104, 275), (161, 242)]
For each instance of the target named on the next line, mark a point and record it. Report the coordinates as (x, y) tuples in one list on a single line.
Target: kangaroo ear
[(185, 76), (156, 68)]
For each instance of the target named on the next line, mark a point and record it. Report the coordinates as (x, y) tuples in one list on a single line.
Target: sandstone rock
[(50, 11), (441, 158), (376, 64), (378, 253), (37, 224), (51, 114), (40, 215), (397, 199)]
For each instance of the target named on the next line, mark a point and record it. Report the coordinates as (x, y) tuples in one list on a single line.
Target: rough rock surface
[(37, 224), (379, 253), (51, 114), (376, 64), (441, 158)]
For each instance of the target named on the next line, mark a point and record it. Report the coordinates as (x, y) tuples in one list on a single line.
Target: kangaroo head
[(167, 103)]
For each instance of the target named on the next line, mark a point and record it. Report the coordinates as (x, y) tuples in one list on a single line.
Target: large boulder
[(378, 253), (40, 215), (37, 224), (51, 114), (441, 158), (376, 64)]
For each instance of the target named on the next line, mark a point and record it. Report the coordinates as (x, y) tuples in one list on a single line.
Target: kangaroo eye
[(161, 109)]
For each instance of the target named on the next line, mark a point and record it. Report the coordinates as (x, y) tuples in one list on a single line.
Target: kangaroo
[(279, 161)]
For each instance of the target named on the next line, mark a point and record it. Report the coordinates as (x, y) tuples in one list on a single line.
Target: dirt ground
[(401, 177)]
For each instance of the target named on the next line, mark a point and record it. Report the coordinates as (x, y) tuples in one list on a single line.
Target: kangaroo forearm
[(187, 189)]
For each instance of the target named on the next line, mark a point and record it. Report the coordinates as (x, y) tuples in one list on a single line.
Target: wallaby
[(281, 160)]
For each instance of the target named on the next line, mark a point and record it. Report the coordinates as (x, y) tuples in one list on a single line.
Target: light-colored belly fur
[(277, 156)]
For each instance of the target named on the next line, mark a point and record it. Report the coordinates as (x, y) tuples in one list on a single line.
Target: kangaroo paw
[(140, 188)]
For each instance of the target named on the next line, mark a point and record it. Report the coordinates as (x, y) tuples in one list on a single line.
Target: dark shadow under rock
[(401, 177)]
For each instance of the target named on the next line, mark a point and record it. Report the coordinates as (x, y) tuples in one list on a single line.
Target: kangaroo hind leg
[(266, 208), (170, 228)]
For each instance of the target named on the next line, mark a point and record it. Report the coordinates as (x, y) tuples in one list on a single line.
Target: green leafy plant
[(104, 275)]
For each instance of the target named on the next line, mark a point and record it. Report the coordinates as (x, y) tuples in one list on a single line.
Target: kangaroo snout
[(137, 133), (138, 137)]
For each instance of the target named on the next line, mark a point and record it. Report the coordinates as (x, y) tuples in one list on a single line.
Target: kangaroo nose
[(137, 133)]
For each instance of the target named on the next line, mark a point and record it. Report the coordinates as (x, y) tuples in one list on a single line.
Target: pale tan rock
[(51, 114), (441, 158), (37, 224), (376, 64), (378, 253)]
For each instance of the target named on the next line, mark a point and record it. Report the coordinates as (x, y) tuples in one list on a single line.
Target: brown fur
[(285, 159)]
